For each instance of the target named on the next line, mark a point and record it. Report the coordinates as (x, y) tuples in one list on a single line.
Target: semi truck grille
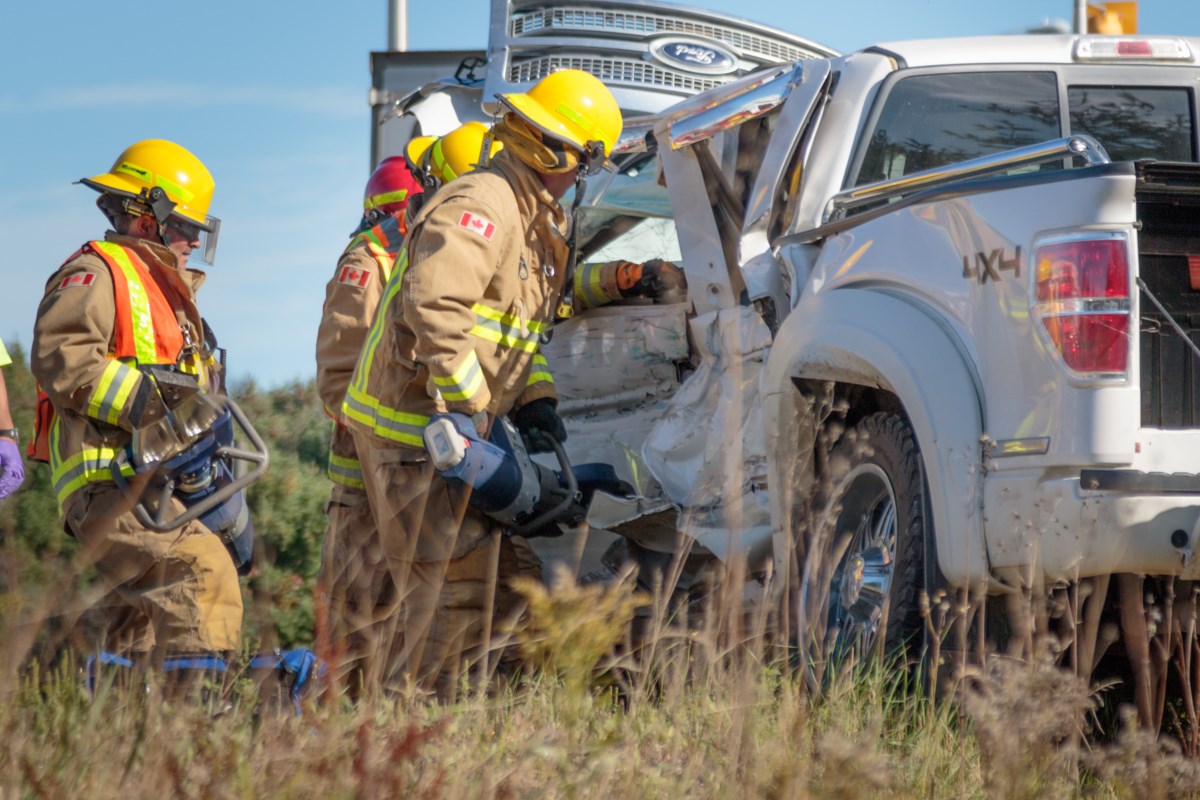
[(637, 23), (616, 71)]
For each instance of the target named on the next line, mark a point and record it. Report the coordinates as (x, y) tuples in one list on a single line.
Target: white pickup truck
[(939, 329), (939, 325)]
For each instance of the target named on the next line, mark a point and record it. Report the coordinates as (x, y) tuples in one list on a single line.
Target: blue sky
[(273, 98)]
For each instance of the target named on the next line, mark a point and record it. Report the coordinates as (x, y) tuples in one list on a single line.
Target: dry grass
[(696, 715)]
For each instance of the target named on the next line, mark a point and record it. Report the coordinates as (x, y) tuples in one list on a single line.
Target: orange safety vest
[(145, 328)]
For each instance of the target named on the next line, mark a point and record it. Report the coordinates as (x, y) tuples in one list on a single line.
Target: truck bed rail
[(1081, 146)]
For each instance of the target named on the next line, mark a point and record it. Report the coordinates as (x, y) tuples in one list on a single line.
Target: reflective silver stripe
[(587, 285), (92, 465), (505, 329), (345, 471), (387, 423), (112, 391), (541, 371), (464, 383)]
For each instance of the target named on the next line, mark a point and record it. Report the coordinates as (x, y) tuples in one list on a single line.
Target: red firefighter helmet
[(390, 187)]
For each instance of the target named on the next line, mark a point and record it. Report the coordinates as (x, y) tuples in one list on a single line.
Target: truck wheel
[(862, 561)]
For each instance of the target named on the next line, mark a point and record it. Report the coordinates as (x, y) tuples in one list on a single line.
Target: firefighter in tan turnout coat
[(114, 307), (353, 585), (475, 284), (359, 592)]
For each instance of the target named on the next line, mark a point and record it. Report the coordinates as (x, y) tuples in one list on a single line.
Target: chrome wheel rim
[(853, 600)]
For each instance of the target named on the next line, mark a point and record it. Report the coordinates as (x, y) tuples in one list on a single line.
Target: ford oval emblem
[(694, 55)]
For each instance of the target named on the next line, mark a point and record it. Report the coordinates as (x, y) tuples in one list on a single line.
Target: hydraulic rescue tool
[(190, 456), (507, 484)]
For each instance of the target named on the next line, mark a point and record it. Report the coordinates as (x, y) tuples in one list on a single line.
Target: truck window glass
[(630, 217), (928, 121), (1135, 122)]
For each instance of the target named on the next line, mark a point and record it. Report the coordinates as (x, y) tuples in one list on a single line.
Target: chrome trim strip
[(1078, 145), (719, 110)]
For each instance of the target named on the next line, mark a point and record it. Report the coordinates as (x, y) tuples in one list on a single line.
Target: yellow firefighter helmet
[(157, 163)]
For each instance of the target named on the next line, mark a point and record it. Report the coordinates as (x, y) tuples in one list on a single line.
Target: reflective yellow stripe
[(386, 423), (91, 465), (541, 371), (345, 471), (377, 200), (112, 390), (506, 329), (378, 250), (464, 383), (509, 320), (139, 304), (195, 365), (584, 121), (176, 192), (441, 168), (362, 370), (587, 285), (383, 258)]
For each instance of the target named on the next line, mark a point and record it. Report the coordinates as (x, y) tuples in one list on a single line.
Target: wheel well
[(862, 401), (841, 406)]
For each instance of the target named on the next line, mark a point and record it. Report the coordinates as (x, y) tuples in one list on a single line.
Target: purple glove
[(12, 471)]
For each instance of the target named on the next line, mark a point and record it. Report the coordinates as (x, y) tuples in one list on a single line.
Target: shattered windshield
[(627, 216)]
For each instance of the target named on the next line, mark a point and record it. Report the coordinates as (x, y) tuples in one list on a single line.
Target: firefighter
[(354, 585), (437, 160), (360, 589), (477, 281), (113, 308), (12, 471)]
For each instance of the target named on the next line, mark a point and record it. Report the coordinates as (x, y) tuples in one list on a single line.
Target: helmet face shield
[(206, 253), (166, 181)]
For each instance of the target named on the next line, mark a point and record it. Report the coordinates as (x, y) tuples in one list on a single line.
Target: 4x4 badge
[(990, 265)]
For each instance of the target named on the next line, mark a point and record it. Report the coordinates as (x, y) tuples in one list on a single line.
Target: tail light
[(1145, 48), (1081, 300)]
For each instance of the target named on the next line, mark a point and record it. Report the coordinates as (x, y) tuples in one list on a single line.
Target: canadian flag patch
[(477, 224), (354, 277), (78, 279)]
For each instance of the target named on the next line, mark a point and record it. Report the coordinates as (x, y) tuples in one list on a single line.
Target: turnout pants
[(451, 567), (359, 594), (174, 592)]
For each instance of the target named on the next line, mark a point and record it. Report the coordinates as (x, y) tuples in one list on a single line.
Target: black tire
[(862, 568)]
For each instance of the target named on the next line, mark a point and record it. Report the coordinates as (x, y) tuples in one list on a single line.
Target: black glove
[(655, 279), (538, 423)]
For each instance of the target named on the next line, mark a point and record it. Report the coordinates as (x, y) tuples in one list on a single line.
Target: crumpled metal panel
[(617, 356), (615, 368), (708, 450)]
